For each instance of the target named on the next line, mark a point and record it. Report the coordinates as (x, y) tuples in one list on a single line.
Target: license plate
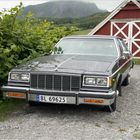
[(51, 99)]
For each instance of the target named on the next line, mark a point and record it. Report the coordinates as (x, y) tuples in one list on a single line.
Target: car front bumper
[(77, 98)]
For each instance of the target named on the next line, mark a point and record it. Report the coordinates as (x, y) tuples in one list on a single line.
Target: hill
[(82, 22), (63, 9)]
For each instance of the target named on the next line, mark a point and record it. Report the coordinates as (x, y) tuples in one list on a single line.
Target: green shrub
[(22, 39)]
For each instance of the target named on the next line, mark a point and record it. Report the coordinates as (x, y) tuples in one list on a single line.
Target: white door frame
[(129, 39)]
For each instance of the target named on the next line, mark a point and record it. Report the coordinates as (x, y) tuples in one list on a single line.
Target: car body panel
[(69, 63)]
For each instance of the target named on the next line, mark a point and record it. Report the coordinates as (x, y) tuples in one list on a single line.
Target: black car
[(80, 70)]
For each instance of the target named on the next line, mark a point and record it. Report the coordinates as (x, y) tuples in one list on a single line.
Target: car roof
[(94, 36)]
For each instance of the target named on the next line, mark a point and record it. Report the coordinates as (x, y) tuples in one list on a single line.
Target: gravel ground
[(66, 122)]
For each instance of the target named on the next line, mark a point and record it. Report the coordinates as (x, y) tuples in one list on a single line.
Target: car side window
[(123, 45)]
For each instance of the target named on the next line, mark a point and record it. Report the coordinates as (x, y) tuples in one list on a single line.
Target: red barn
[(124, 22)]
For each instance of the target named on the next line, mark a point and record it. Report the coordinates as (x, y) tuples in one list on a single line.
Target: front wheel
[(126, 80), (119, 88)]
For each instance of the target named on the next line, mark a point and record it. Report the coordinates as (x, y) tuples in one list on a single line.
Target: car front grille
[(55, 82)]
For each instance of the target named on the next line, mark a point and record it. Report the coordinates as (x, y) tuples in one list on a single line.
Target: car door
[(124, 62)]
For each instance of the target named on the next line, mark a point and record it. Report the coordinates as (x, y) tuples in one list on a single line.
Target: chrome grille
[(55, 82)]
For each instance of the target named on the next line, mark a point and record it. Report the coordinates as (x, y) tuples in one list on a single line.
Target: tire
[(119, 88), (112, 107), (126, 81)]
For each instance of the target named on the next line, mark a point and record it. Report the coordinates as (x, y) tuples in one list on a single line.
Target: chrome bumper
[(81, 97)]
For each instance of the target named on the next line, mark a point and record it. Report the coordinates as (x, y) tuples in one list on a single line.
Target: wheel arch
[(118, 80)]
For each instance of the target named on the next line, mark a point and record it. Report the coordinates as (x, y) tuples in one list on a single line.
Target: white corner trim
[(122, 5)]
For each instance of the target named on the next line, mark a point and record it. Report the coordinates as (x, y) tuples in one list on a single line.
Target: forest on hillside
[(82, 23)]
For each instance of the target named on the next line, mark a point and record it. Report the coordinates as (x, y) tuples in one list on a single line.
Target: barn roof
[(122, 5)]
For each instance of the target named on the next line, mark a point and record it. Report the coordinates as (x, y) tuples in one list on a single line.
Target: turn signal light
[(93, 101), (16, 95)]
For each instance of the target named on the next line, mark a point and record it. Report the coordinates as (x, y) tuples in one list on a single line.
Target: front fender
[(116, 80)]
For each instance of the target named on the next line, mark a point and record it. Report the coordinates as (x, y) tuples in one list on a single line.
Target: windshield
[(86, 46)]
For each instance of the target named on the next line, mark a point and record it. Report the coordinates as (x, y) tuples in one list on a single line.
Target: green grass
[(8, 106), (136, 135), (122, 130), (82, 32), (137, 61)]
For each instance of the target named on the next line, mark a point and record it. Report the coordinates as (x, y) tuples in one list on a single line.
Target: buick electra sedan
[(80, 70)]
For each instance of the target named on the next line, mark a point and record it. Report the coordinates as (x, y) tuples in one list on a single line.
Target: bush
[(22, 39)]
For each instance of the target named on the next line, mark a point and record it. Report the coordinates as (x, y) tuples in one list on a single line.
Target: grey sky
[(103, 4)]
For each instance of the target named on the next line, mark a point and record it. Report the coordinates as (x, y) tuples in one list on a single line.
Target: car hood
[(68, 63)]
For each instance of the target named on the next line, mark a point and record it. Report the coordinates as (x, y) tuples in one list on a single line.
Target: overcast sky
[(102, 4)]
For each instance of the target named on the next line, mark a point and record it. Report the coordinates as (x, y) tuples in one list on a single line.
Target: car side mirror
[(126, 54)]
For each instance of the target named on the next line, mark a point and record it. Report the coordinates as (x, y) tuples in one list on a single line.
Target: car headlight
[(19, 76), (89, 81), (95, 81), (102, 81), (25, 76), (14, 76)]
